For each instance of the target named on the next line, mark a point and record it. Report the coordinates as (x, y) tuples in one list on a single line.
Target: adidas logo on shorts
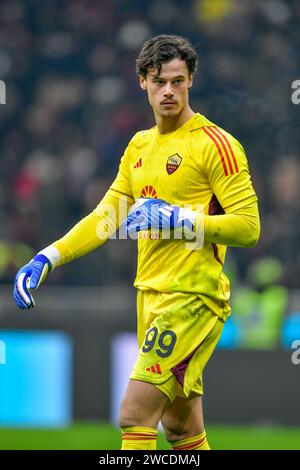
[(155, 369)]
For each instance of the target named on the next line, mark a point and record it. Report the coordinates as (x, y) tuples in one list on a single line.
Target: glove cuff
[(51, 255), (187, 217)]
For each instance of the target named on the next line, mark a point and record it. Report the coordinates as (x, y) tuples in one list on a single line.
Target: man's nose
[(168, 91)]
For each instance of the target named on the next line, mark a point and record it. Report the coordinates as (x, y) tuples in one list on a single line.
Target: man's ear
[(143, 82), (190, 81)]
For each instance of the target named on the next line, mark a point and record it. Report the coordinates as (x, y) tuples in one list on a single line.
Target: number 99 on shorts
[(163, 343)]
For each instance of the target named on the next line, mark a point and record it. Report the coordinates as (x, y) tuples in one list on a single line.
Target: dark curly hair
[(162, 49)]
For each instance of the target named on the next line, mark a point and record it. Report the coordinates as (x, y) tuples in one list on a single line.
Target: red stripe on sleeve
[(220, 137), (218, 147), (230, 149)]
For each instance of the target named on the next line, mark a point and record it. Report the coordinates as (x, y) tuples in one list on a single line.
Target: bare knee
[(143, 405), (183, 419), (131, 415), (175, 430)]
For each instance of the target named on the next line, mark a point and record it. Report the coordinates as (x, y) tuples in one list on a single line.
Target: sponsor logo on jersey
[(173, 163), (155, 369), (151, 235), (149, 191)]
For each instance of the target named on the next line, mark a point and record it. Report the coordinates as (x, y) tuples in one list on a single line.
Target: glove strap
[(43, 259), (52, 255)]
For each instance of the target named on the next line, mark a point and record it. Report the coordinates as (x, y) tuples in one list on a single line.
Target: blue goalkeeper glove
[(32, 275), (148, 214)]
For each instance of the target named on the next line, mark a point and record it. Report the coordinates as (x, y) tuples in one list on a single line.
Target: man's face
[(168, 91)]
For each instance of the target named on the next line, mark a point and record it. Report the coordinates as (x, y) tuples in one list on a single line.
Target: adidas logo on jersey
[(138, 163), (155, 369)]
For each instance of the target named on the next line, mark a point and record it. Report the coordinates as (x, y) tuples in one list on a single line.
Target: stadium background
[(72, 104)]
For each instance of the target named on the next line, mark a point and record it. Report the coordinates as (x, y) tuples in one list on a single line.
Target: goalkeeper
[(186, 185)]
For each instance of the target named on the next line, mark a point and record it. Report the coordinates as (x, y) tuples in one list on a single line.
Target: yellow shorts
[(177, 334)]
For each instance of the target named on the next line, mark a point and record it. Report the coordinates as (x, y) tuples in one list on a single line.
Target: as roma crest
[(173, 163)]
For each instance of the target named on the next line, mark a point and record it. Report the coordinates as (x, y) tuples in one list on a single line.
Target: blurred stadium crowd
[(73, 103)]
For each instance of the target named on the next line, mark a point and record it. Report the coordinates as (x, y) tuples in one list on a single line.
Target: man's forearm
[(94, 229), (240, 229), (80, 240)]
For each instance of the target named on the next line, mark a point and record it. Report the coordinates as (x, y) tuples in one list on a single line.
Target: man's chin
[(169, 112)]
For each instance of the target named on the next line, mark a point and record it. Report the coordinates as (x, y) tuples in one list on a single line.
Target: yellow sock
[(138, 438), (192, 443)]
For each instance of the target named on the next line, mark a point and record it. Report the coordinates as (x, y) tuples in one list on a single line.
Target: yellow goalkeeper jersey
[(198, 164)]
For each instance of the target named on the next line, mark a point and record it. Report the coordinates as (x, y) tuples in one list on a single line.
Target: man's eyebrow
[(162, 78)]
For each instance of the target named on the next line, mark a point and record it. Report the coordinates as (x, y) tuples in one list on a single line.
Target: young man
[(190, 180)]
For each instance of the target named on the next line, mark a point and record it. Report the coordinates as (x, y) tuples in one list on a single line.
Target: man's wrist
[(187, 217), (200, 223), (53, 255)]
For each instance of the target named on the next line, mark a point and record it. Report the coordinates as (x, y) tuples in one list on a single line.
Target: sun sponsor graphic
[(149, 191)]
